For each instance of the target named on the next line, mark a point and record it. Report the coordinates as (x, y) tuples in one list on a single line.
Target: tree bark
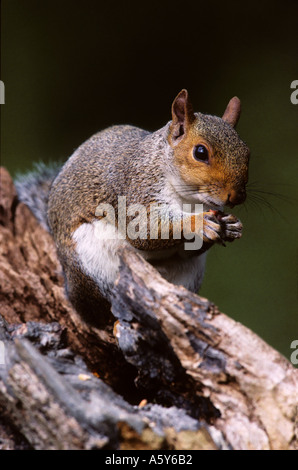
[(175, 373)]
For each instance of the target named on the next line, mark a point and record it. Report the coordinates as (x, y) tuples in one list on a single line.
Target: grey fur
[(147, 168), (33, 188)]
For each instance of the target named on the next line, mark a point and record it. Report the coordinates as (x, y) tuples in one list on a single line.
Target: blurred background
[(72, 68)]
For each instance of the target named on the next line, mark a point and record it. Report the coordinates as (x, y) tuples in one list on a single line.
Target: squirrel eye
[(200, 153)]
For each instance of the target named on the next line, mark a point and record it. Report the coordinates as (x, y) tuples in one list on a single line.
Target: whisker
[(255, 187), (258, 200), (279, 196), (255, 204)]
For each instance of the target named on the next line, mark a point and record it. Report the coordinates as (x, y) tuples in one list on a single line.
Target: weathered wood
[(56, 402), (213, 382), (252, 388), (32, 287)]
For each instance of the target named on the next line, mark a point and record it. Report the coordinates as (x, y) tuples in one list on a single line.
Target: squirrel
[(194, 159)]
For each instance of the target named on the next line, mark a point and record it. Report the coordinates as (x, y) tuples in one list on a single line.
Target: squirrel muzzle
[(235, 197)]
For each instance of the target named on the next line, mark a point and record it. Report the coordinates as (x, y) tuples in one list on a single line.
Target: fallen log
[(173, 372)]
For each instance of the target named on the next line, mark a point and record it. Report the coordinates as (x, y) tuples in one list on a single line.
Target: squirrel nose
[(236, 197)]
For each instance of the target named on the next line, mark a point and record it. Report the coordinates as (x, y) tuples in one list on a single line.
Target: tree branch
[(204, 381)]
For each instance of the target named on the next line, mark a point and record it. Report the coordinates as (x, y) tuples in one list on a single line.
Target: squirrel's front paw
[(212, 230), (231, 227)]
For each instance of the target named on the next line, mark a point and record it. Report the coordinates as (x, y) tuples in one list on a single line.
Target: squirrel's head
[(208, 153)]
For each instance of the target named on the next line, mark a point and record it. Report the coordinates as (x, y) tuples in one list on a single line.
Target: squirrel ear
[(232, 112), (182, 116)]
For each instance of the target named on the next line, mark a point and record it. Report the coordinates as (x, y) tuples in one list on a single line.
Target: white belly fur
[(97, 252)]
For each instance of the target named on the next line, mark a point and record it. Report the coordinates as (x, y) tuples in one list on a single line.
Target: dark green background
[(72, 68)]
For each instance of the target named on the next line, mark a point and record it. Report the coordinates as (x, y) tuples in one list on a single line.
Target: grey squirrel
[(194, 159)]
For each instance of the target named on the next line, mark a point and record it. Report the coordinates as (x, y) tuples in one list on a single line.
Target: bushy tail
[(33, 189)]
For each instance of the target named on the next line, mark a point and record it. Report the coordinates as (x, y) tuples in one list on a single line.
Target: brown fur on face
[(225, 174)]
